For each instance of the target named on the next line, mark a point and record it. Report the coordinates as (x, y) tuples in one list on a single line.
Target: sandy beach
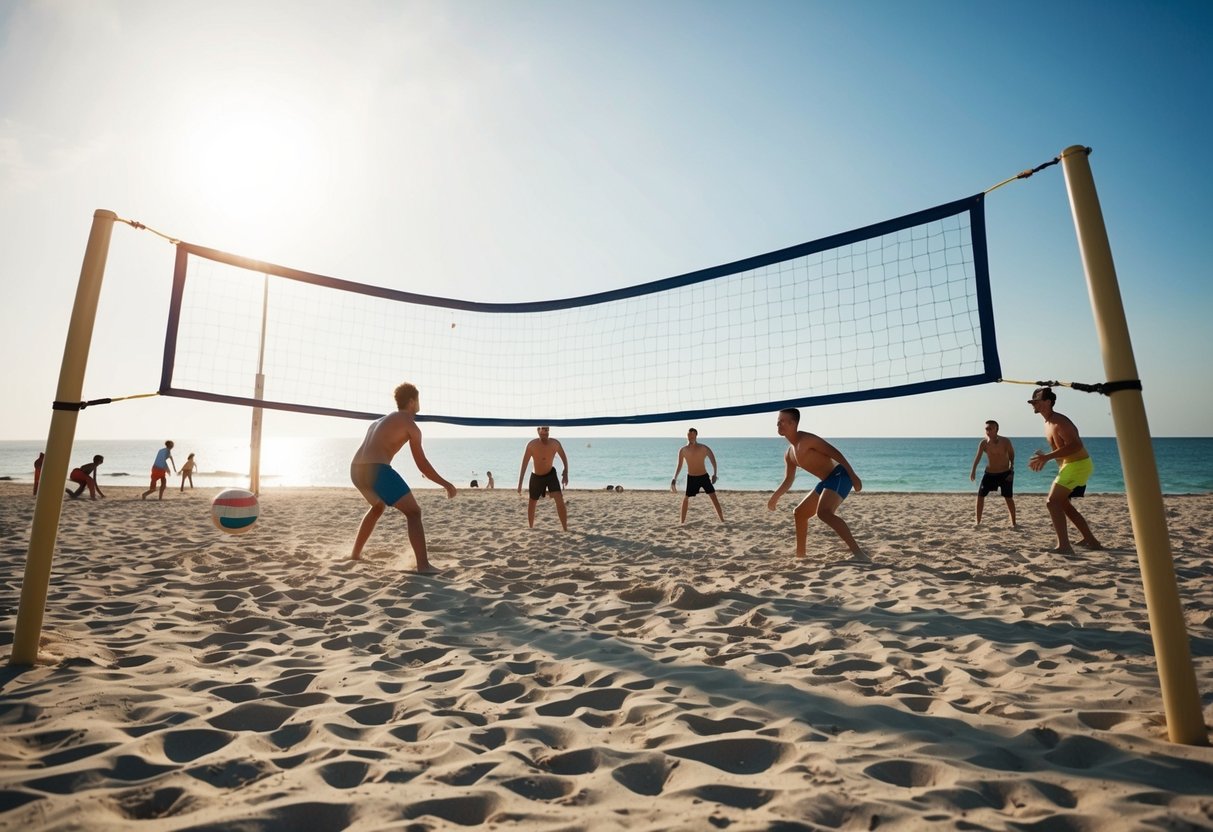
[(629, 674)]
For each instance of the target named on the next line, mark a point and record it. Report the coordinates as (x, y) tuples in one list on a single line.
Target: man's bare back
[(807, 454), (385, 438)]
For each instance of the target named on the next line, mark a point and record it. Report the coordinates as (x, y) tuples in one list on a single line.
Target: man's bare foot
[(427, 570), (1062, 550), (356, 557), (1092, 544), (861, 556)]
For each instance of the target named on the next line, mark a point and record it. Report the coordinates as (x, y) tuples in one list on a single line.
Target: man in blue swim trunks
[(837, 478), (372, 473), (1074, 469)]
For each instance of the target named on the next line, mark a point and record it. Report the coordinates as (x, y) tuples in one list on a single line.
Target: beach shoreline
[(628, 674)]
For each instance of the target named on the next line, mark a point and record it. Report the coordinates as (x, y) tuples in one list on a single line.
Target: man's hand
[(450, 491), (1037, 461), (773, 502)]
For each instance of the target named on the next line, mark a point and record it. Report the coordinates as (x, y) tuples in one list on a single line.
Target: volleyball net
[(897, 308)]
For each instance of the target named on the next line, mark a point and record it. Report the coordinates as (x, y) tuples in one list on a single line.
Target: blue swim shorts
[(377, 482), (839, 481)]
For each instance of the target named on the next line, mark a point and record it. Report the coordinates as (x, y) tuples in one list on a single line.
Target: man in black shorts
[(1000, 469), (543, 452), (696, 457)]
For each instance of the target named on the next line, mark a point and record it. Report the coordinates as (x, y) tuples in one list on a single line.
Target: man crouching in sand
[(372, 473), (824, 461)]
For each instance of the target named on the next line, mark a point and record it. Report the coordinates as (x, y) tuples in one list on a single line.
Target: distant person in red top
[(38, 471), (86, 477)]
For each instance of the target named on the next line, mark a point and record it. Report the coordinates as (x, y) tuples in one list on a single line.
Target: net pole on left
[(45, 529)]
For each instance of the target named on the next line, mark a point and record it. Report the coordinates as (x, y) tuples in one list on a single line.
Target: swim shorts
[(78, 476), (839, 481), (541, 483), (1004, 481), (1074, 474), (699, 482), (159, 474), (378, 482)]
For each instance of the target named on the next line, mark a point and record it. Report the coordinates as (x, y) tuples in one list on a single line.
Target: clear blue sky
[(528, 150)]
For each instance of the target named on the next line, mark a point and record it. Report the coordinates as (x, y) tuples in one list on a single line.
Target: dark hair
[(792, 413), (692, 430), (992, 422)]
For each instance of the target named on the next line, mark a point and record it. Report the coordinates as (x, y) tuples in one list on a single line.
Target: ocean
[(1185, 465)]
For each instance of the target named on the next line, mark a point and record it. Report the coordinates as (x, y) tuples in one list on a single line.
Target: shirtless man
[(837, 478), (1073, 471), (1000, 469), (543, 452), (372, 473), (696, 457)]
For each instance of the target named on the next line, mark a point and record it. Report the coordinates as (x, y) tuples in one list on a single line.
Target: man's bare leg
[(685, 502), (1087, 540), (530, 513), (561, 511), (827, 511), (803, 514), (412, 516), (1011, 510), (1058, 503), (716, 503), (365, 528), (981, 504)]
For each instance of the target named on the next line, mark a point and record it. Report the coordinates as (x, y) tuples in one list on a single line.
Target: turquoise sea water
[(1185, 465)]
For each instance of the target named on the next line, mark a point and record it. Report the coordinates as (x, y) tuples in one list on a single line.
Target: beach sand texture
[(627, 675)]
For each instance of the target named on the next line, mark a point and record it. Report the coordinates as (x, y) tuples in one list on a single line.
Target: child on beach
[(187, 470), (372, 473), (86, 477)]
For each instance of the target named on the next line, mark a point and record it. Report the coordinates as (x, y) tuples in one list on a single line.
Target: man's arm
[(423, 464), (981, 449), (678, 468), (789, 475), (715, 467), (1010, 453), (526, 459), (172, 462), (564, 476)]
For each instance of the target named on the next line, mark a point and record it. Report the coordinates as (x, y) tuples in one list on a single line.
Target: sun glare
[(251, 160)]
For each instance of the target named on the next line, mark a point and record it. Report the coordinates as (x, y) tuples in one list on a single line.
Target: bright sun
[(251, 160)]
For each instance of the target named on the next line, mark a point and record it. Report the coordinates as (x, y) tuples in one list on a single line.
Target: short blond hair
[(404, 394)]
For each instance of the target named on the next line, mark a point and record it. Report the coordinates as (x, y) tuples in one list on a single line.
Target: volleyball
[(235, 510)]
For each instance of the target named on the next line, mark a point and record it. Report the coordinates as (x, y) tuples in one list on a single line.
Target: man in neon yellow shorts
[(1074, 469)]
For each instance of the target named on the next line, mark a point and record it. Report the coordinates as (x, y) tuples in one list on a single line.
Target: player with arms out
[(542, 452), (696, 457), (372, 473), (836, 479)]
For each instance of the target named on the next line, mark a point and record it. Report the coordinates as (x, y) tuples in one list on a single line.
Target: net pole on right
[(1181, 700)]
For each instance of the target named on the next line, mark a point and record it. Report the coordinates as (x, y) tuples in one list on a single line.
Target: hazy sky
[(516, 151)]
